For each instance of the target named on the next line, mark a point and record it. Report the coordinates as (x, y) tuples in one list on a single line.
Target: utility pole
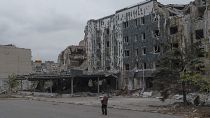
[(72, 86), (143, 81)]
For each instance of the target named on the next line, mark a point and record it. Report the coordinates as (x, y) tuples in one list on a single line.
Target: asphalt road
[(38, 109)]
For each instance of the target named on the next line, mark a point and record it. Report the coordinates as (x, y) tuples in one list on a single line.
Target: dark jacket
[(104, 101)]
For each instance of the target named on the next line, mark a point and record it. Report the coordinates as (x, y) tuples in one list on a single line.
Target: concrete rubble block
[(147, 94)]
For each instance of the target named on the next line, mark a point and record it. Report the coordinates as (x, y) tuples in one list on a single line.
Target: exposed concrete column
[(72, 86)]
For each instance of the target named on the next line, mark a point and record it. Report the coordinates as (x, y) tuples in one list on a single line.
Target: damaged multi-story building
[(73, 57), (130, 41), (48, 67), (14, 60)]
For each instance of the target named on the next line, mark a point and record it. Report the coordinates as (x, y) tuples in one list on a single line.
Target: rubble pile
[(189, 111)]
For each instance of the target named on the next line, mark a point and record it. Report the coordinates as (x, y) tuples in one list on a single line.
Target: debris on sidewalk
[(190, 111)]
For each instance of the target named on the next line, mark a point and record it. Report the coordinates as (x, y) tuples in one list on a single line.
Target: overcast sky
[(49, 26)]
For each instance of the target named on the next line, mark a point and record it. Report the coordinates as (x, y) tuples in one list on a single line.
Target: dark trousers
[(104, 109)]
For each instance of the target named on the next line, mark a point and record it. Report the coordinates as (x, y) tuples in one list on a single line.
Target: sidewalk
[(137, 104)]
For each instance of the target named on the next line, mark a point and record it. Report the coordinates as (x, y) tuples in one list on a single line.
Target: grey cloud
[(55, 23)]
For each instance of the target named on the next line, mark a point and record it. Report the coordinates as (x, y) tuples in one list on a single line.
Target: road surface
[(39, 109)]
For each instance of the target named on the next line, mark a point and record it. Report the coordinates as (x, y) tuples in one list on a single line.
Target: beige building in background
[(13, 60)]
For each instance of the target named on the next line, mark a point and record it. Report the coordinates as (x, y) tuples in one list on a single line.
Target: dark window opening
[(156, 33), (175, 45), (145, 65), (201, 12), (107, 31), (199, 34), (127, 53), (173, 30), (126, 39), (144, 51), (127, 67), (179, 7), (188, 11), (157, 65), (202, 52), (143, 36), (125, 24), (108, 68), (107, 44), (157, 49), (155, 18), (137, 65), (142, 20), (99, 45)]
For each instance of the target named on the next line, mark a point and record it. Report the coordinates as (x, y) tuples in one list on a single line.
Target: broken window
[(175, 45), (127, 53), (156, 33), (188, 11), (156, 49), (107, 44), (126, 39), (201, 12), (157, 65), (127, 67), (173, 30), (142, 20), (107, 31), (145, 65), (99, 45), (204, 2), (125, 24), (199, 34), (202, 53), (143, 36), (108, 68), (144, 51)]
